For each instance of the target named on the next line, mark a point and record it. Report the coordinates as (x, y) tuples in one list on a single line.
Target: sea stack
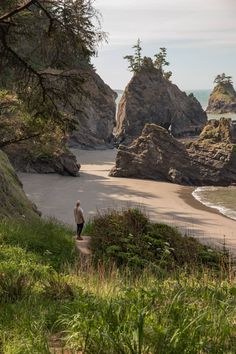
[(96, 114), (151, 98), (223, 97)]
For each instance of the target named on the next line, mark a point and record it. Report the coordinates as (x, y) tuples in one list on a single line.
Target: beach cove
[(173, 204)]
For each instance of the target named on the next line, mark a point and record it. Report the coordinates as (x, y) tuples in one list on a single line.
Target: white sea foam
[(199, 195)]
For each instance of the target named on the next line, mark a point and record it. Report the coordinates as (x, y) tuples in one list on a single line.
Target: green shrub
[(127, 238)]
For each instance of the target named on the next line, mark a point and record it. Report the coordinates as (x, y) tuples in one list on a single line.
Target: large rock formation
[(24, 159), (222, 99), (150, 98), (13, 201), (96, 114), (210, 160)]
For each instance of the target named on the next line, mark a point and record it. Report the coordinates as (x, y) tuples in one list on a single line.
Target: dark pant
[(79, 228)]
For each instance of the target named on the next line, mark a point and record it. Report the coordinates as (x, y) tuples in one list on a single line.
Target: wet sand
[(55, 196)]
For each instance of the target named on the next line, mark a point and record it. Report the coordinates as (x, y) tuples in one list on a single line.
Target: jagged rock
[(150, 98), (222, 99), (222, 130), (96, 114), (158, 155), (13, 201)]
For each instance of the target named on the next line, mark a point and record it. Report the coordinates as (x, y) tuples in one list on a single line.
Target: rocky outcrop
[(150, 98), (210, 160), (24, 160), (13, 201), (44, 154), (96, 114), (222, 99)]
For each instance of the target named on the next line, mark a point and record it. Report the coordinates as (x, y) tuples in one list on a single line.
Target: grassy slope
[(47, 300), (13, 201)]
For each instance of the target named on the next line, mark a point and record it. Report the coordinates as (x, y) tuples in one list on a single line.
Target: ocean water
[(221, 198)]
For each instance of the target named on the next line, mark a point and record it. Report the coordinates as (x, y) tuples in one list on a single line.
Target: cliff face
[(150, 98), (210, 160), (96, 115), (222, 99), (13, 201)]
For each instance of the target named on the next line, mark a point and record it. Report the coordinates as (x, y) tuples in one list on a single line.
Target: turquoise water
[(221, 198)]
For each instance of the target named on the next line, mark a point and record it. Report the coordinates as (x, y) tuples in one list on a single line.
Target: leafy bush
[(127, 238)]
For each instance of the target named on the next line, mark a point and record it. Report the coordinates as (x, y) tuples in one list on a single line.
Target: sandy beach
[(55, 196)]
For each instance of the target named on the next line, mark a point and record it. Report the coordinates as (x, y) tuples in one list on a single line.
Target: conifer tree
[(45, 45), (160, 62), (223, 79), (135, 61)]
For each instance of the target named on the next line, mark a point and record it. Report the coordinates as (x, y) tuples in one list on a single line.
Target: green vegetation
[(45, 50), (51, 303), (136, 61), (17, 126), (22, 138), (13, 202), (223, 95), (223, 79), (128, 238)]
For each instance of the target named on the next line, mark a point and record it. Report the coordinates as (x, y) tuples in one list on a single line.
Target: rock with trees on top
[(223, 97), (150, 97)]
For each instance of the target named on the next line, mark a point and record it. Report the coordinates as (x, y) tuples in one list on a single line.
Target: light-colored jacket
[(79, 215)]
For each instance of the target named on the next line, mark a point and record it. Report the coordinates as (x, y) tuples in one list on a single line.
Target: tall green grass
[(50, 304), (50, 240), (182, 314)]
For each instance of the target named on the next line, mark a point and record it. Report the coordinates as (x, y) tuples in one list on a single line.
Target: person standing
[(79, 219)]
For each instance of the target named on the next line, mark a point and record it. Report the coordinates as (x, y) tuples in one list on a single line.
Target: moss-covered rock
[(222, 99), (13, 201)]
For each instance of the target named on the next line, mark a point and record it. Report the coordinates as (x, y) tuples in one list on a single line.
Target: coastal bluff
[(157, 155), (222, 99), (151, 98)]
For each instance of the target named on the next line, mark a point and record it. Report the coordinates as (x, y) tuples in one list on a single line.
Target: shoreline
[(164, 202), (189, 199)]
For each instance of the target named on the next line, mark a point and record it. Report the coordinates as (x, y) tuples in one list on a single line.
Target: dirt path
[(83, 246)]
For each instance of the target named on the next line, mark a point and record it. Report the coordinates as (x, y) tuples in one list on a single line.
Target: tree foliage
[(223, 79), (44, 47), (136, 61), (160, 62)]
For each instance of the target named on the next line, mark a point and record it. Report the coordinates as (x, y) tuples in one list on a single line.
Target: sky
[(200, 37)]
